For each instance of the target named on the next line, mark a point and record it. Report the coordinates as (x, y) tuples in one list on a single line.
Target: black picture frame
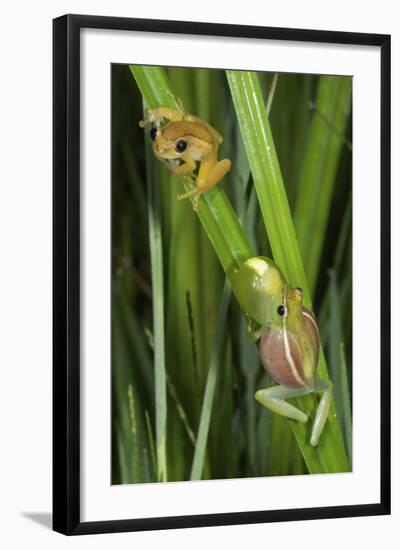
[(66, 273)]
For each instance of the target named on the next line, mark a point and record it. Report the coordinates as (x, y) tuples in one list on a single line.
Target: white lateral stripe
[(312, 320), (289, 356)]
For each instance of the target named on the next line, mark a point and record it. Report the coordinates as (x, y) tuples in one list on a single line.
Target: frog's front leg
[(254, 330), (188, 165), (187, 168), (324, 387), (274, 399)]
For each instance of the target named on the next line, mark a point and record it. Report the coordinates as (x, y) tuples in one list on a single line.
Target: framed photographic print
[(221, 274)]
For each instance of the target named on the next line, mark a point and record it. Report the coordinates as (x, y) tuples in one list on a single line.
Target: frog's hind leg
[(274, 399), (324, 387), (209, 177), (206, 180)]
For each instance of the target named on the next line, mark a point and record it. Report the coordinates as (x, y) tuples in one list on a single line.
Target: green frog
[(288, 337)]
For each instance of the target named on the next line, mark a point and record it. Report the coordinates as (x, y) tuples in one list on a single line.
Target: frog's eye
[(180, 145), (282, 311), (153, 133)]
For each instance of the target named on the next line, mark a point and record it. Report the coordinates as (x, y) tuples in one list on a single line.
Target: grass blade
[(156, 256), (344, 388), (205, 417), (180, 410), (338, 363), (331, 113), (229, 240), (330, 455), (264, 165)]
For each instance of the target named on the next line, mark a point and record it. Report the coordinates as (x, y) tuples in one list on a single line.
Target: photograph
[(231, 274), (200, 264)]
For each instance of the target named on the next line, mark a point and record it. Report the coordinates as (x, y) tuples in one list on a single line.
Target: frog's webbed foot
[(155, 116), (148, 118), (254, 330), (195, 193)]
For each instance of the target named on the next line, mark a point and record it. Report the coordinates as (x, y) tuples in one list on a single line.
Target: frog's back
[(176, 130)]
